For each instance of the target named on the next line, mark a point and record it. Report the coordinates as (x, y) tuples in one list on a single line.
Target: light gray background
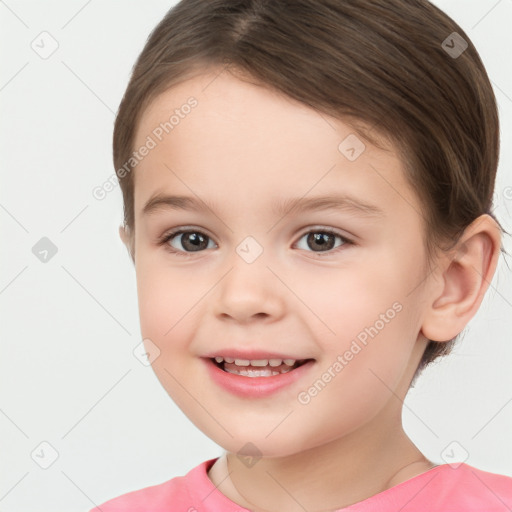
[(69, 326)]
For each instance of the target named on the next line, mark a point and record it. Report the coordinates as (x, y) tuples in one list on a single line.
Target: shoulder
[(175, 491), (471, 489), (158, 497), (447, 487)]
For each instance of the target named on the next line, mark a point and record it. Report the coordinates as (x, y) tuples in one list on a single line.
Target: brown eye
[(187, 241), (322, 240)]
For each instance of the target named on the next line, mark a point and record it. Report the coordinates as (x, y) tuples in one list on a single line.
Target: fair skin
[(242, 148)]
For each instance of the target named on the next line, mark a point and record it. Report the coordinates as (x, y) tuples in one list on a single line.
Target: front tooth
[(241, 362), (289, 362), (219, 359), (275, 362), (259, 362)]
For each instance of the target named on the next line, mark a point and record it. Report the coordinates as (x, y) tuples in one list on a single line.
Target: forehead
[(213, 135), (240, 108)]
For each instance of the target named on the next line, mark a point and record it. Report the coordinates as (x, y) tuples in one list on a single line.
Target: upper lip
[(252, 354)]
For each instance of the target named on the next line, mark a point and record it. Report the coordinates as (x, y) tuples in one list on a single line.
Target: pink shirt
[(443, 488)]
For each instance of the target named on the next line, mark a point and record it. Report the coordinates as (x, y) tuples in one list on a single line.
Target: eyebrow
[(344, 202)]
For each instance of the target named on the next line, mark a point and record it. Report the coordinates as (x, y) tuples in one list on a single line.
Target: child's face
[(243, 149)]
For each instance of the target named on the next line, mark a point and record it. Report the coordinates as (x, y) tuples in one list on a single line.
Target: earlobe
[(127, 239), (466, 273), (123, 234)]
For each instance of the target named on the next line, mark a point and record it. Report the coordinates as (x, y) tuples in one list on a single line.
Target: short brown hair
[(385, 63)]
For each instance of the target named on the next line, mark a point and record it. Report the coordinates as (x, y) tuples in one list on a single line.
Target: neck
[(327, 477)]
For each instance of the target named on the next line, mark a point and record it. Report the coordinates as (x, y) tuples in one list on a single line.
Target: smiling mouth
[(258, 368)]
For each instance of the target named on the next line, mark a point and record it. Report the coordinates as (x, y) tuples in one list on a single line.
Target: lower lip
[(255, 387)]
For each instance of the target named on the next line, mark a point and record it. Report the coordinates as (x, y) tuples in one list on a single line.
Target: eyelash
[(169, 236)]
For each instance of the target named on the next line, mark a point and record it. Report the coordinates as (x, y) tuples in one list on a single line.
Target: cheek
[(369, 318), (169, 313), (356, 379), (338, 305), (168, 301)]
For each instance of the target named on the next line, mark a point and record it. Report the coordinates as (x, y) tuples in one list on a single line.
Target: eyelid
[(346, 240), (168, 235), (327, 229), (184, 229)]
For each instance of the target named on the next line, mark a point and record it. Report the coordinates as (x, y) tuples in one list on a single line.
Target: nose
[(249, 292)]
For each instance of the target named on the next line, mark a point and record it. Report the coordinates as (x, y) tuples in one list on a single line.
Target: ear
[(465, 274), (127, 239)]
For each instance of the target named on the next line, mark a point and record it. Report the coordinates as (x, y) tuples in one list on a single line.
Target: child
[(307, 193)]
